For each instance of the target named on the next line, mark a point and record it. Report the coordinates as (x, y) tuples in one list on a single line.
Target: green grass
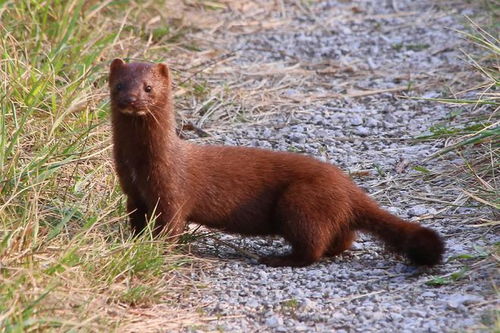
[(474, 137), (475, 133), (66, 261)]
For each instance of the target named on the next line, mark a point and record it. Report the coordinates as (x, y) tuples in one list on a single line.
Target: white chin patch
[(132, 112)]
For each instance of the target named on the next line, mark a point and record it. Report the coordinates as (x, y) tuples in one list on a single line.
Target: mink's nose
[(127, 101), (130, 100)]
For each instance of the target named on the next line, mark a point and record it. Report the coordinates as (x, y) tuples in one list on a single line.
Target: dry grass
[(473, 131)]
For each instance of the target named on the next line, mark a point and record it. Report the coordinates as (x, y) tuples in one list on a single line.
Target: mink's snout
[(128, 101), (131, 105)]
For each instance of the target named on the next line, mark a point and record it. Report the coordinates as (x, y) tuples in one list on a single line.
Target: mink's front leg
[(137, 211), (169, 220)]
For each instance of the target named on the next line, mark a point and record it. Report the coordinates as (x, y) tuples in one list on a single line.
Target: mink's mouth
[(133, 112)]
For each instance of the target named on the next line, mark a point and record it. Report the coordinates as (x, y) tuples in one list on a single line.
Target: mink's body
[(248, 191)]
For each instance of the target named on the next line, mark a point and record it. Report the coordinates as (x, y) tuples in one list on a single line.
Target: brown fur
[(248, 191)]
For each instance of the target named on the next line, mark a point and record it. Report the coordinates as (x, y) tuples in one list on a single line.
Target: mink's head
[(139, 89)]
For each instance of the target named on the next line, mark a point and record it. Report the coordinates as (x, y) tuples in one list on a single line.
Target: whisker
[(152, 115)]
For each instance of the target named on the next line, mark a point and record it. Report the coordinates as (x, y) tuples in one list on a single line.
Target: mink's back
[(255, 167)]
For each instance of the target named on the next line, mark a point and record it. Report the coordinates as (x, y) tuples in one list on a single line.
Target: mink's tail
[(423, 246)]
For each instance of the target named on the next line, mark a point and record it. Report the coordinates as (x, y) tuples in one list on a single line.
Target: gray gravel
[(367, 289)]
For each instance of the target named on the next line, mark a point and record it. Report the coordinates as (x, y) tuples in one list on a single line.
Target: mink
[(249, 191)]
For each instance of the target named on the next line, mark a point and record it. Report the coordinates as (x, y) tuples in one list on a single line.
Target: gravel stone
[(298, 137), (356, 120), (418, 211), (362, 131), (455, 300), (274, 321)]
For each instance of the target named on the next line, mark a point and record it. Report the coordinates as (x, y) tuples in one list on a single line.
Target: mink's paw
[(281, 261)]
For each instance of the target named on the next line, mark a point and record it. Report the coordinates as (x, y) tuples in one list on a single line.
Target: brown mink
[(248, 191)]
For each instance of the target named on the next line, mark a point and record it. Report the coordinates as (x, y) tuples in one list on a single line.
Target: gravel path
[(327, 62)]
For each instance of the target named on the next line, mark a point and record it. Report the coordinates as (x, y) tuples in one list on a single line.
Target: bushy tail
[(423, 246)]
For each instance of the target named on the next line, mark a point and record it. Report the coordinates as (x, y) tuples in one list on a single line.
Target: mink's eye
[(148, 89), (119, 86)]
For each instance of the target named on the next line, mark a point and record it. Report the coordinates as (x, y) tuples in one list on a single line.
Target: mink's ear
[(115, 64), (163, 69)]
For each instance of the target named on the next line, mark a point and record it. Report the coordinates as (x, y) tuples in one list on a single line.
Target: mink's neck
[(146, 139)]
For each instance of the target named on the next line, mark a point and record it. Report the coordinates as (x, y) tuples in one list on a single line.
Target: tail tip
[(426, 247)]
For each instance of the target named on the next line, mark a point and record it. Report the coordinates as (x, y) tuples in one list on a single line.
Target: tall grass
[(66, 262), (471, 133), (476, 137)]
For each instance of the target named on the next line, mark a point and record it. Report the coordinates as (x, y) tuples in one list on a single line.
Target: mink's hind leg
[(294, 259), (341, 242), (137, 214), (308, 246), (304, 222)]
